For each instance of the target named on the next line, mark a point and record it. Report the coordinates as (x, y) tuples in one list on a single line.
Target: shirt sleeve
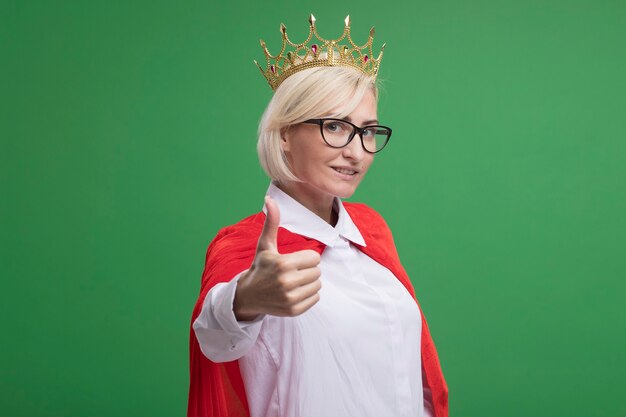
[(221, 337)]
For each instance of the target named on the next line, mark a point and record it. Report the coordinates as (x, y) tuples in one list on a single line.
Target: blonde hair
[(307, 94)]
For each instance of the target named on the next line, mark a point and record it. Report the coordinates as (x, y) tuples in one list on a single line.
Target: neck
[(319, 203)]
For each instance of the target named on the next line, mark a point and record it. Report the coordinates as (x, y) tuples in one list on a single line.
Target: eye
[(335, 127), (369, 132), (332, 126)]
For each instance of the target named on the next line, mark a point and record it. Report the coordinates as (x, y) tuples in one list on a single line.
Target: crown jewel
[(318, 52)]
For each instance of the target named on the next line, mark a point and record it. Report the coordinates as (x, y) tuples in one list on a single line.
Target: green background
[(128, 141)]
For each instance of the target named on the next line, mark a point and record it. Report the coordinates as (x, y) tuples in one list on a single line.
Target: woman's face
[(328, 172)]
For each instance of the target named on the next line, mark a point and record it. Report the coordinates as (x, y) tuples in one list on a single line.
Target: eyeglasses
[(338, 133)]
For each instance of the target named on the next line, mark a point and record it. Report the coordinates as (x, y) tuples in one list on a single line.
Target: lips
[(345, 170)]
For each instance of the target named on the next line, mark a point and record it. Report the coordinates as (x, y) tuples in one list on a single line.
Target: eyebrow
[(365, 123)]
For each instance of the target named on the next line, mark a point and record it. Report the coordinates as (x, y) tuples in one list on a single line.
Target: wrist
[(241, 307)]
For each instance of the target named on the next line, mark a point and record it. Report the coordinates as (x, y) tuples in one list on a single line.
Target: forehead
[(365, 109)]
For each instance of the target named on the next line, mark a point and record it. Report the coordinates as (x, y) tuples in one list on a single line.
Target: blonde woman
[(305, 309)]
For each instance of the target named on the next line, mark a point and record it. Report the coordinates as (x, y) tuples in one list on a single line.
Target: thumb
[(269, 235)]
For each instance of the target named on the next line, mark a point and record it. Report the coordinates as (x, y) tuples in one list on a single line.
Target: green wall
[(128, 140)]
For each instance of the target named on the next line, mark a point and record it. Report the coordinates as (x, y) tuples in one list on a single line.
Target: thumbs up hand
[(275, 284)]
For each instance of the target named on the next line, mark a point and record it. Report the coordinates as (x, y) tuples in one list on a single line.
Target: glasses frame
[(355, 130)]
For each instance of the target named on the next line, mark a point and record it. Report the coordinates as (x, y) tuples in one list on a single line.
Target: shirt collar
[(300, 220)]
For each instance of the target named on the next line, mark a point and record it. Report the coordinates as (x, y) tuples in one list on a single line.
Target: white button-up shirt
[(354, 353)]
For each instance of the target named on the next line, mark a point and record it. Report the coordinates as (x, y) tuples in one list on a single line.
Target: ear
[(285, 136)]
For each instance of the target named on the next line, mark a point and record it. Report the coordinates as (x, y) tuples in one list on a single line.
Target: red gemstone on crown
[(365, 58), (314, 48), (273, 69)]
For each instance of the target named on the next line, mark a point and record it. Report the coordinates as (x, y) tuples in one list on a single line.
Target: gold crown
[(321, 53)]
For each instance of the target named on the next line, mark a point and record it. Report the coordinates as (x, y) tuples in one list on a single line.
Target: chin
[(344, 192)]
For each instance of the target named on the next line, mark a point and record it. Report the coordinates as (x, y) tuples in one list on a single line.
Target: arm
[(276, 284), (221, 337)]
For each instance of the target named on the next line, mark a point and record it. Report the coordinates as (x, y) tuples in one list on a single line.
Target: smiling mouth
[(345, 171)]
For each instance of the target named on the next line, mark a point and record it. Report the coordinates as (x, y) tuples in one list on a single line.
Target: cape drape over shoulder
[(216, 389)]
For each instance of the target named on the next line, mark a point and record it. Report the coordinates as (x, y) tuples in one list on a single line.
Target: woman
[(305, 309)]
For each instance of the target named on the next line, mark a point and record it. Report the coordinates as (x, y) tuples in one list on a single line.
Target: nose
[(354, 150)]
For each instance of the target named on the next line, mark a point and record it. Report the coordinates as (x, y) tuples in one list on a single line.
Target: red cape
[(216, 389)]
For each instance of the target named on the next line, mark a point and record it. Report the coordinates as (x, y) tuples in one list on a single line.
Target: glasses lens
[(336, 132), (375, 138)]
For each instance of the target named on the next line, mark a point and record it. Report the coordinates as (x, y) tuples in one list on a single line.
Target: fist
[(279, 285)]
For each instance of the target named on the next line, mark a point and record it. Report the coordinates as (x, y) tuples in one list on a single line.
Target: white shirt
[(354, 353)]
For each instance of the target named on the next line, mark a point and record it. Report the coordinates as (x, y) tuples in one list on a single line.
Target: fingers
[(297, 301), (302, 259), (303, 294), (301, 278), (303, 305), (281, 285), (269, 234), (305, 291)]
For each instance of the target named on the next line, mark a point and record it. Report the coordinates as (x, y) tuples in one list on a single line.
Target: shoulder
[(370, 223), (239, 240), (246, 230), (234, 247), (363, 214), (245, 225), (231, 250)]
